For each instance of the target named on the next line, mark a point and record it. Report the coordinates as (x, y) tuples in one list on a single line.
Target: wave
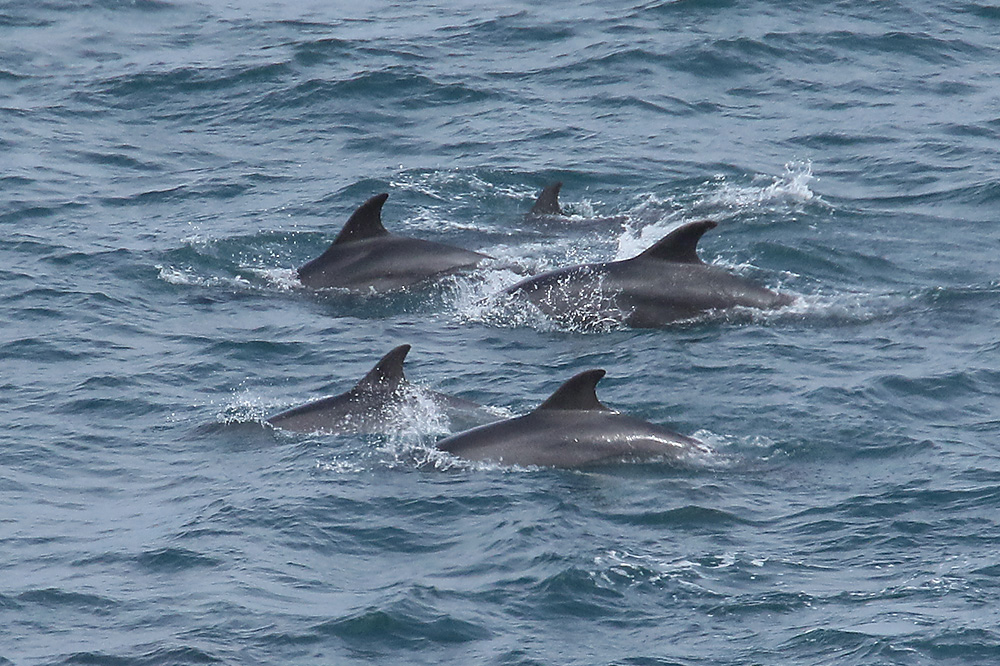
[(390, 91), (54, 599), (160, 656), (177, 83), (174, 560), (382, 630)]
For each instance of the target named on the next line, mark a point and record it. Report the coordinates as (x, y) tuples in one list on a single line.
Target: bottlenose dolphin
[(374, 404), (666, 283), (571, 429), (365, 257), (547, 209)]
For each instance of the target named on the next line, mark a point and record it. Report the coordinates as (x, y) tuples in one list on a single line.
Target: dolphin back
[(570, 429)]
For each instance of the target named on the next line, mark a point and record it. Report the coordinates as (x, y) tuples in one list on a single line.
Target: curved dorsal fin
[(548, 201), (578, 393), (366, 222), (387, 373), (681, 244)]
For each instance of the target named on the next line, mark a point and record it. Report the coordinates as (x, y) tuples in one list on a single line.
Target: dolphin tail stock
[(681, 244), (548, 201), (578, 393)]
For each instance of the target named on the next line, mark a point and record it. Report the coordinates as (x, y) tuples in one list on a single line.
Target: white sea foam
[(432, 219), (791, 187), (766, 192), (247, 407), (581, 210), (848, 307), (188, 278), (485, 301), (634, 240), (618, 565), (341, 466), (615, 566), (282, 279), (434, 184)]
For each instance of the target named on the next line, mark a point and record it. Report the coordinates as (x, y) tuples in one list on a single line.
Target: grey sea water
[(167, 165)]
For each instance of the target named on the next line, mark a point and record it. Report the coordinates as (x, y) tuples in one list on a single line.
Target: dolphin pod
[(374, 404), (666, 283), (571, 429), (366, 257)]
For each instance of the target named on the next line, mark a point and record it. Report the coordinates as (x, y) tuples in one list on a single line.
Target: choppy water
[(167, 165)]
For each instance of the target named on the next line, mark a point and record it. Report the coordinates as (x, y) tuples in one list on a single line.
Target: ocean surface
[(166, 165)]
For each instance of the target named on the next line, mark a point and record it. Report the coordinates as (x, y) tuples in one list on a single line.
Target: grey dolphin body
[(366, 257), (666, 283), (571, 429), (374, 404)]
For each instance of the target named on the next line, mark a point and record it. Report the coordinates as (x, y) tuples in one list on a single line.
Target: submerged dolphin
[(374, 404), (666, 283), (547, 208), (366, 257), (570, 429)]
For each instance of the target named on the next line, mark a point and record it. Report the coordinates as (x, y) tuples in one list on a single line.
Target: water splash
[(850, 307), (634, 240), (453, 185), (340, 466), (282, 279), (247, 407), (187, 277), (487, 302), (790, 188)]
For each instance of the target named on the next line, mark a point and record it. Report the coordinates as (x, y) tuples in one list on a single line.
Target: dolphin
[(666, 283), (547, 209), (365, 257), (571, 429), (374, 404)]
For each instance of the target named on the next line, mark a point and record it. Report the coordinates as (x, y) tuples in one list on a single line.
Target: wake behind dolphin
[(365, 257), (571, 429), (666, 283)]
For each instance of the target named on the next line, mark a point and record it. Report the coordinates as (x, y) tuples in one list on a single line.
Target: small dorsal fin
[(548, 201), (578, 393), (366, 222), (681, 244), (387, 373)]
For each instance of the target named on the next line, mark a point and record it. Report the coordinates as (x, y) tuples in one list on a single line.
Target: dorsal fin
[(578, 393), (681, 244), (548, 201), (366, 222), (387, 373)]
